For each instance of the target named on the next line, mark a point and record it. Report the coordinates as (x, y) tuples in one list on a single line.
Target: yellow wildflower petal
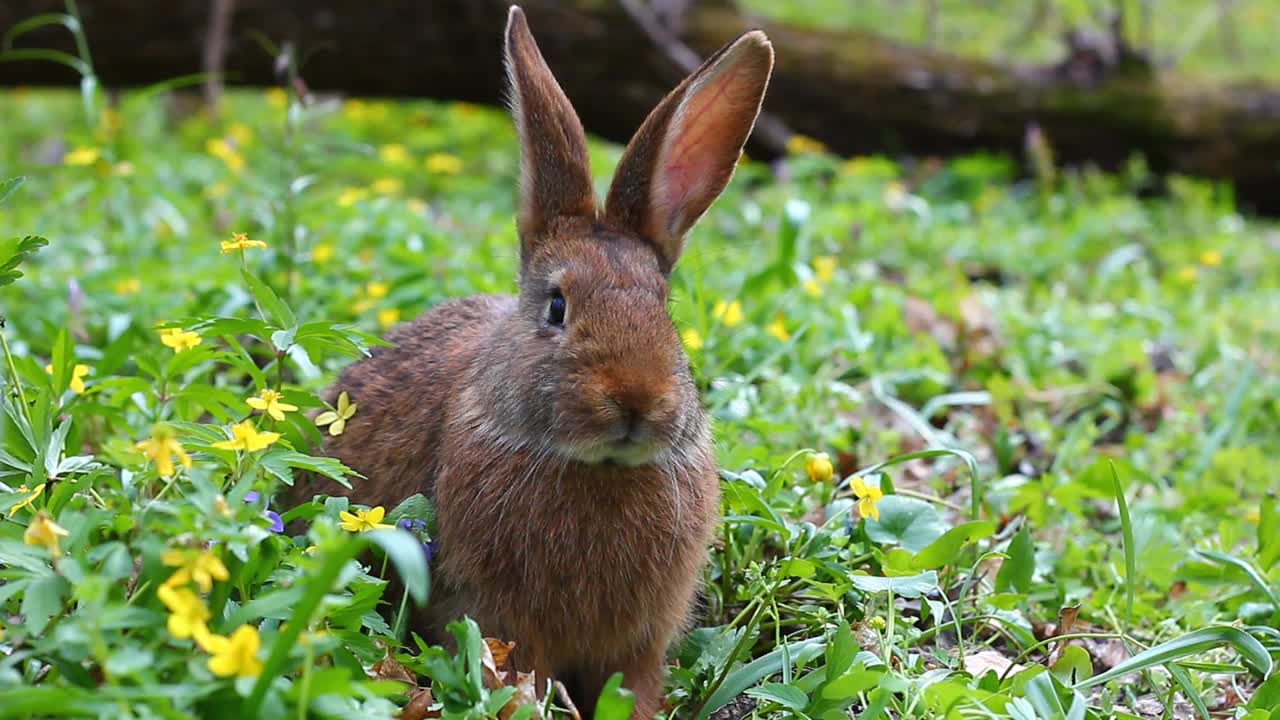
[(824, 266), (81, 156), (819, 467), (326, 417), (1211, 258), (44, 531), (692, 339)]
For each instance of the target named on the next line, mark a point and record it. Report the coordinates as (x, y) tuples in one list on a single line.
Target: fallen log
[(856, 92)]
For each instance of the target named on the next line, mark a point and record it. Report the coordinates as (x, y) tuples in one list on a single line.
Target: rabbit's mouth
[(628, 451)]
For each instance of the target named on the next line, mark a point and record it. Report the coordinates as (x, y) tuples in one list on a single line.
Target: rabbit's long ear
[(555, 178), (684, 154)]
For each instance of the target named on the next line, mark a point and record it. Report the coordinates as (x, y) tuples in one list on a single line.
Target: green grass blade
[(1254, 575), (1252, 651), (1130, 559), (753, 672)]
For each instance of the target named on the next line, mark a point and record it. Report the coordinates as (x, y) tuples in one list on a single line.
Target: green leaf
[(1130, 550), (785, 695), (415, 507), (8, 187), (906, 521), (1017, 570), (1267, 696), (403, 550), (277, 311), (737, 681), (947, 548), (859, 679), (615, 702), (13, 252), (911, 586), (42, 600), (841, 651), (1073, 665), (1198, 641), (1249, 571), (1269, 533)]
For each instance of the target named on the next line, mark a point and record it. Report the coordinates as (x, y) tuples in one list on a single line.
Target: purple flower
[(277, 525), (412, 524)]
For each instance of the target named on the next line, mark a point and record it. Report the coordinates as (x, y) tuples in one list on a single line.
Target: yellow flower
[(692, 339), (221, 149), (819, 467), (394, 153), (868, 496), (180, 339), (322, 253), (269, 401), (387, 186), (729, 313), (163, 447), (377, 289), (388, 317), (235, 655), (277, 97), (824, 266), (1211, 258), (337, 419), (363, 520), (241, 133), (28, 499), (350, 196), (202, 566), (187, 612), (778, 329), (44, 531), (812, 287), (240, 241), (77, 376), (1253, 514), (1187, 274), (443, 164), (81, 156), (246, 436), (798, 144), (127, 285)]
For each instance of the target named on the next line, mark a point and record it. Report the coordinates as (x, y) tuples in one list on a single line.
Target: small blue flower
[(277, 525), (412, 524)]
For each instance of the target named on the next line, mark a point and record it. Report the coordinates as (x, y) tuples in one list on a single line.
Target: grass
[(1193, 36), (998, 357)]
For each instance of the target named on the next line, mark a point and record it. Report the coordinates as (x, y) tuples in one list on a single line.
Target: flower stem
[(13, 375)]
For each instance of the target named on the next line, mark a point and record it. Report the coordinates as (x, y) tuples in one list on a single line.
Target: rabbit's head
[(599, 365)]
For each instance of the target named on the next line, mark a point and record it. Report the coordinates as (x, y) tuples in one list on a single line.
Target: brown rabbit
[(559, 432)]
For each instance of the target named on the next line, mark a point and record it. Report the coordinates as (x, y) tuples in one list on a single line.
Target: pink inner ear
[(702, 146)]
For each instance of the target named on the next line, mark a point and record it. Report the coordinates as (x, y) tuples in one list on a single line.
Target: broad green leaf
[(42, 600), (947, 548), (1073, 665), (906, 521), (841, 650), (784, 695), (911, 586), (858, 679), (615, 702), (1017, 570)]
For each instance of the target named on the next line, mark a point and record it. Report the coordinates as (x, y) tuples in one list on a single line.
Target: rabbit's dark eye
[(556, 308)]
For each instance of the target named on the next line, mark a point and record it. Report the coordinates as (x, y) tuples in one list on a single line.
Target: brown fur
[(571, 467)]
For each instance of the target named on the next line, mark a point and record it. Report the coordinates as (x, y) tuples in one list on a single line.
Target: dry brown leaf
[(389, 668), (489, 669), (500, 651), (977, 664), (419, 706), (526, 692)]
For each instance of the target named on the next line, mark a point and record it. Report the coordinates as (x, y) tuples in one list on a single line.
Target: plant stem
[(13, 375)]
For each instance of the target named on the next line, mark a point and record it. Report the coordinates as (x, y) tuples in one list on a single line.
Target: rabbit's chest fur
[(575, 559)]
